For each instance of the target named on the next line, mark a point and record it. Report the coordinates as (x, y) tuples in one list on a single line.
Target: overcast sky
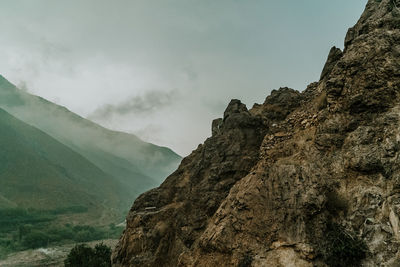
[(163, 69)]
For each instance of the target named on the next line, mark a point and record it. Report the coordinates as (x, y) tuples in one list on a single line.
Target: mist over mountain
[(137, 165), (37, 171), (65, 179)]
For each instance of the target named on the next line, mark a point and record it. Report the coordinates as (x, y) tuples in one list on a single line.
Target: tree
[(102, 255), (35, 239), (83, 255)]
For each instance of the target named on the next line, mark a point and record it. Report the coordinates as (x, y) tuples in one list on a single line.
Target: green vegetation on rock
[(343, 248)]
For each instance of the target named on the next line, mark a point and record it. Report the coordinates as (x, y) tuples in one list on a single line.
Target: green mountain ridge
[(135, 164), (37, 171)]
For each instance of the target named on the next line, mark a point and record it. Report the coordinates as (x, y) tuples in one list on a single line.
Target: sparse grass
[(342, 248)]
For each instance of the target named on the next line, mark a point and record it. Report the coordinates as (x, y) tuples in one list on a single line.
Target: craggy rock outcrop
[(305, 179), (168, 220), (334, 55)]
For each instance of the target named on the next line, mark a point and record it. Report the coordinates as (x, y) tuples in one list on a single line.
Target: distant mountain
[(37, 171), (137, 165)]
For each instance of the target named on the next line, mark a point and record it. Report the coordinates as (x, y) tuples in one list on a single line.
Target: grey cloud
[(146, 104), (212, 51), (23, 86)]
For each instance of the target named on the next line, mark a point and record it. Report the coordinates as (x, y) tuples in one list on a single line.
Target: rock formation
[(304, 179)]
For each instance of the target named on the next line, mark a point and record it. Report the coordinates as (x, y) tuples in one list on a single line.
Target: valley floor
[(51, 256)]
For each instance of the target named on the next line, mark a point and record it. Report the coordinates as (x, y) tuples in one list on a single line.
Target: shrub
[(82, 255), (60, 233), (102, 255), (343, 249), (84, 233), (35, 239), (246, 260)]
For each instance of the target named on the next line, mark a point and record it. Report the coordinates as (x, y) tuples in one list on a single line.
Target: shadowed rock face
[(269, 184), (168, 220)]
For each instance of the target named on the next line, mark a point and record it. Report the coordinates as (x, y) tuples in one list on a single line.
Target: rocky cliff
[(304, 179)]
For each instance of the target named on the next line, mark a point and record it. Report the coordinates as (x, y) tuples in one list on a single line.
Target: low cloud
[(146, 104), (100, 63)]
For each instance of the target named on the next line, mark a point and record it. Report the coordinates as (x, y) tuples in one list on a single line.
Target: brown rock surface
[(274, 184)]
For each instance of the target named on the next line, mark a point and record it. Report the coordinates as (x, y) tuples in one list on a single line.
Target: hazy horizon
[(164, 69)]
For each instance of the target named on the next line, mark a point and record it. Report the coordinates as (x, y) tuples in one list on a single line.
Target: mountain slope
[(304, 179), (134, 163), (37, 171)]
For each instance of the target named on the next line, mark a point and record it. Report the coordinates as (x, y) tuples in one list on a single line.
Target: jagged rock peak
[(364, 78), (334, 55), (284, 97), (378, 15), (278, 104), (235, 106), (304, 179)]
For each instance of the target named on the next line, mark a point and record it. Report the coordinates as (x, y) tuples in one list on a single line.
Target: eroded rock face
[(168, 220), (272, 182)]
